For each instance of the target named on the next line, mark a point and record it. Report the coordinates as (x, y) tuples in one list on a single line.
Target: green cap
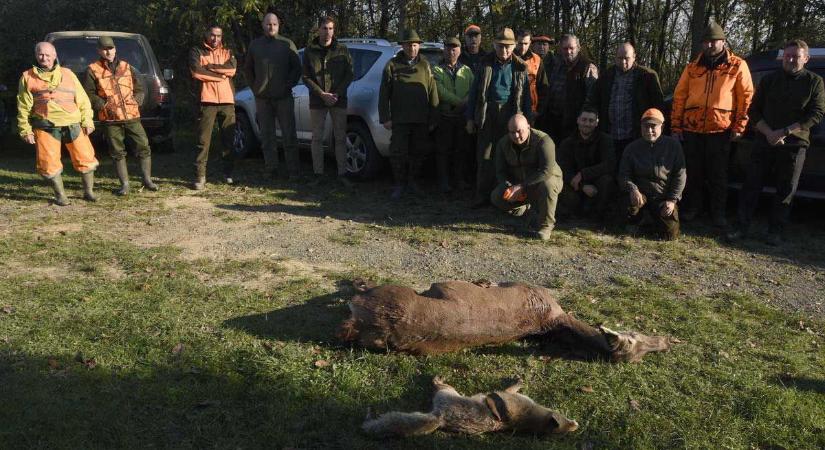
[(506, 36), (713, 32), (452, 42), (408, 36), (105, 42)]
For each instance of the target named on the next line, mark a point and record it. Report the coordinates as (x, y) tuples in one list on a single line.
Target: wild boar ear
[(490, 401), (611, 336)]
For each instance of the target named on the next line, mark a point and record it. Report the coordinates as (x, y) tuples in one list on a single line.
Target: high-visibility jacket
[(214, 68), (54, 95), (713, 101), (538, 80), (116, 90)]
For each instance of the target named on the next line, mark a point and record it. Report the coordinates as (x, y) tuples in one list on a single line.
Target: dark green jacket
[(408, 92), (784, 99), (272, 67), (594, 157), (657, 170), (647, 93), (519, 102), (327, 70), (531, 165)]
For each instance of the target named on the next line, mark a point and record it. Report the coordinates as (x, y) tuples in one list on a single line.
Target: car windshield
[(77, 53)]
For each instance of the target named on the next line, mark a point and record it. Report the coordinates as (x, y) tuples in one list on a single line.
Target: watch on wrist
[(787, 131)]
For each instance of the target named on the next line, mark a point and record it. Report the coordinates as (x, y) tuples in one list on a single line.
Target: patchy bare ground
[(264, 234)]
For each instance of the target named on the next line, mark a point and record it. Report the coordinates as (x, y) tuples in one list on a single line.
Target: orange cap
[(472, 29), (653, 115)]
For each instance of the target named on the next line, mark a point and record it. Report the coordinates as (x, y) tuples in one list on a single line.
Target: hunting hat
[(506, 36), (452, 42), (653, 115), (713, 32), (543, 38), (472, 29), (105, 42), (409, 36)]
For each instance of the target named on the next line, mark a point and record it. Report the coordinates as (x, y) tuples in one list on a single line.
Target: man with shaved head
[(272, 68), (53, 109), (622, 94), (529, 179)]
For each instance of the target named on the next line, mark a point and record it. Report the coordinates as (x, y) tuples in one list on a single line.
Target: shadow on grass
[(800, 383)]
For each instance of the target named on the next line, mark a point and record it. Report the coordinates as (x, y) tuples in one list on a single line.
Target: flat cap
[(452, 42), (505, 36)]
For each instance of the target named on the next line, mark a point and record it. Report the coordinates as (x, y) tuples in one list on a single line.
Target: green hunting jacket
[(783, 99), (453, 88), (408, 92), (533, 164), (327, 70), (272, 67), (593, 157)]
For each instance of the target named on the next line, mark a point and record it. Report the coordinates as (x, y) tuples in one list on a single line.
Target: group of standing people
[(547, 131)]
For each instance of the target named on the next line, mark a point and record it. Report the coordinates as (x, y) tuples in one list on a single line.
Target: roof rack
[(374, 41)]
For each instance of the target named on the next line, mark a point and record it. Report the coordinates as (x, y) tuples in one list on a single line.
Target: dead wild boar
[(454, 315)]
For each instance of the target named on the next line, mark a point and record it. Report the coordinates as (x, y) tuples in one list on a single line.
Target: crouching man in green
[(529, 179), (652, 177)]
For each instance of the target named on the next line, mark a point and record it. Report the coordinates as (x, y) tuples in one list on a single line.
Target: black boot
[(88, 186), (123, 175), (60, 198), (146, 170)]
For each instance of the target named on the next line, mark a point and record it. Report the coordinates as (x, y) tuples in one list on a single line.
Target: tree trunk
[(697, 26), (384, 21), (605, 33), (658, 60)]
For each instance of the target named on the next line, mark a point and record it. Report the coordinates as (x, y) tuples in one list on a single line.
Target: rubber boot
[(146, 170), (123, 175), (199, 184), (88, 186), (60, 198)]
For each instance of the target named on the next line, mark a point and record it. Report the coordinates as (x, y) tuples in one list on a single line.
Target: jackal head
[(631, 346)]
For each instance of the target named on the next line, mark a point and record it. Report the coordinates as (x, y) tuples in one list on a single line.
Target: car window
[(433, 55), (362, 61), (77, 53)]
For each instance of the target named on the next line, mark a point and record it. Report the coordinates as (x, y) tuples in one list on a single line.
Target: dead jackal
[(481, 413)]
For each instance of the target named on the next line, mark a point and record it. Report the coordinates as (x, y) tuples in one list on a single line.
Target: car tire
[(363, 160), (244, 142)]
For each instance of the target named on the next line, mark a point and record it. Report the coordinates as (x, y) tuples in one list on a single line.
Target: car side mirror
[(3, 88), (168, 74)]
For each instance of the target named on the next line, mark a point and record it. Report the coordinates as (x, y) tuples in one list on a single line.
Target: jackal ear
[(490, 401)]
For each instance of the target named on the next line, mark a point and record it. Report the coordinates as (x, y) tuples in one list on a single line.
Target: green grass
[(746, 374), (105, 344)]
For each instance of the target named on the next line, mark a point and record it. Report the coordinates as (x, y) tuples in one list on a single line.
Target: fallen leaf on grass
[(634, 405), (53, 364), (8, 309), (321, 363), (724, 354), (586, 389), (178, 349), (90, 363), (445, 244)]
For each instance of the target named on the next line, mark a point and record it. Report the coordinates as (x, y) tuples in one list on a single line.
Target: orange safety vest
[(118, 91), (532, 71), (63, 94)]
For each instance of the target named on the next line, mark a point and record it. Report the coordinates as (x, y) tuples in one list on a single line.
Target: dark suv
[(77, 49)]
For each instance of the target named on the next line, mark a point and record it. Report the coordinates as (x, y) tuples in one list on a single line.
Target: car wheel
[(244, 142), (363, 160)]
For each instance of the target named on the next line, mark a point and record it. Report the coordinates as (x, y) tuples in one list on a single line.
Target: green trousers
[(116, 134), (542, 198), (281, 111), (226, 129), (409, 144)]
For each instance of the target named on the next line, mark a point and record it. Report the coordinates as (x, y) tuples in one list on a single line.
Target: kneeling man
[(588, 162), (528, 176), (652, 177)]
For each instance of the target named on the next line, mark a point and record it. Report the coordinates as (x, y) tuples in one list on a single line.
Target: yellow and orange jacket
[(713, 101), (214, 68), (55, 96), (114, 90)]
